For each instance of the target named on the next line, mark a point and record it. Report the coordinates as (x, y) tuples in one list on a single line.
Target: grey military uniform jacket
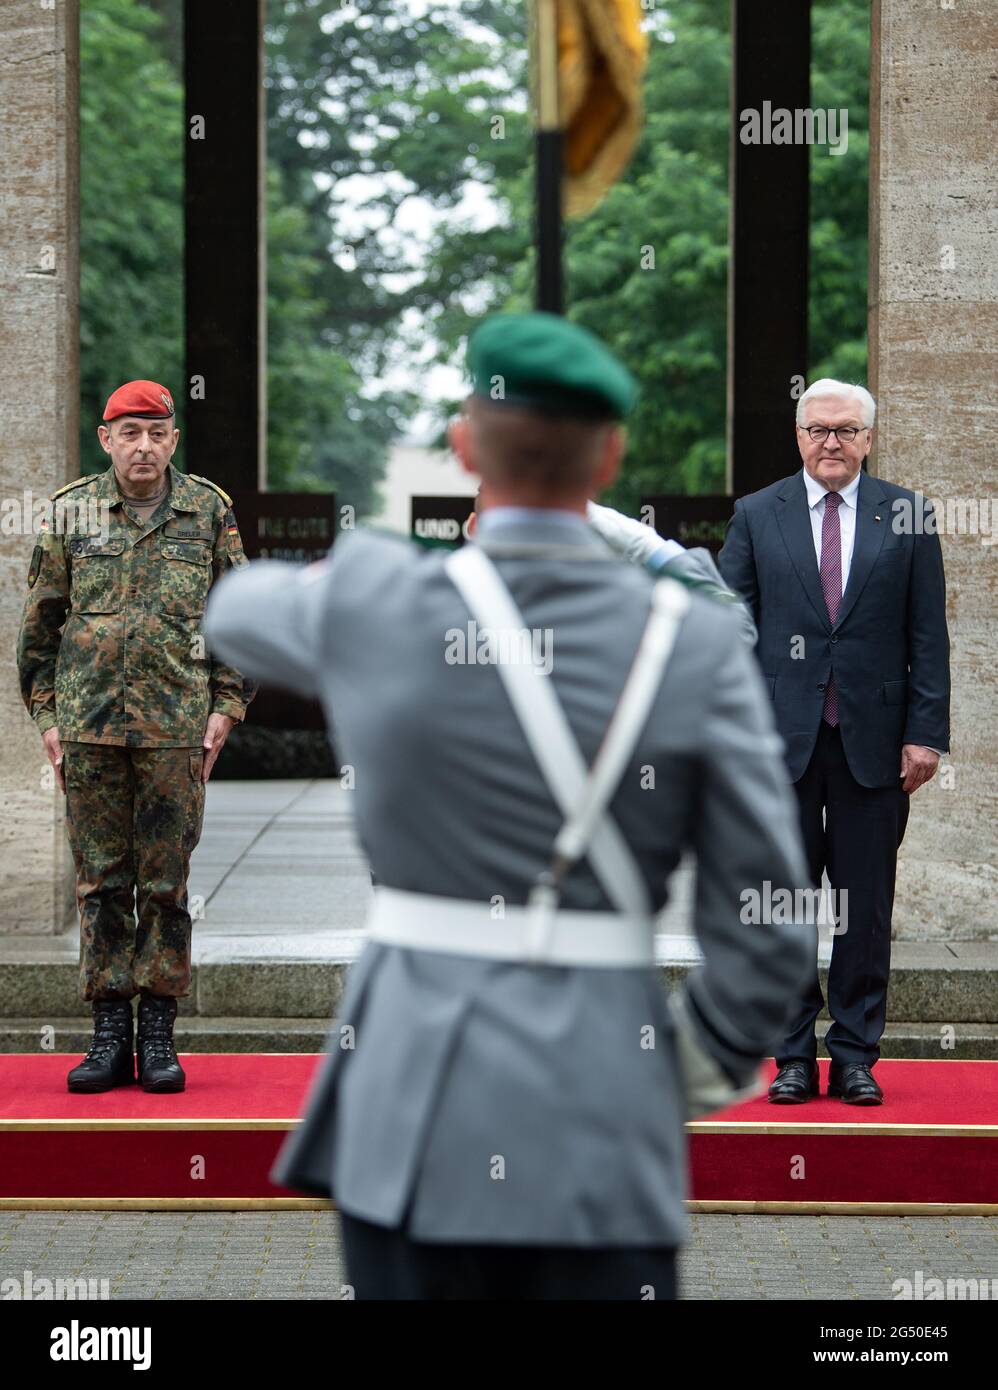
[(478, 1101)]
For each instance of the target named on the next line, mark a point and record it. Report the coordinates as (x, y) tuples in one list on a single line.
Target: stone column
[(39, 403), (933, 368)]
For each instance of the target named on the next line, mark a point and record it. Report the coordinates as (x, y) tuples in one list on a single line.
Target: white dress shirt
[(816, 495)]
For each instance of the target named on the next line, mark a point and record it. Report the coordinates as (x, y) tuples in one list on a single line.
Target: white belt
[(466, 927)]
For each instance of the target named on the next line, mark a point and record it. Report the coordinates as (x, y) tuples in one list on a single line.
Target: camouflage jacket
[(110, 648)]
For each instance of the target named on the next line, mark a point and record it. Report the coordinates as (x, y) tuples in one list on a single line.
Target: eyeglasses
[(845, 434)]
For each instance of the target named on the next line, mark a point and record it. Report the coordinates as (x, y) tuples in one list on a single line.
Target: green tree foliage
[(322, 434), (840, 80), (668, 316), (389, 101), (647, 269), (131, 212), (406, 100)]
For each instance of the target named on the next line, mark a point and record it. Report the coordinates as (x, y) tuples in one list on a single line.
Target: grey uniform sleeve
[(746, 837), (697, 570), (267, 620)]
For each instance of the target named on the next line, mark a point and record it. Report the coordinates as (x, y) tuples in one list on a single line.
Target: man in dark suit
[(844, 576)]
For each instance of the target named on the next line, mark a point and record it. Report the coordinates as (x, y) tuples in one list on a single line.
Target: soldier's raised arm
[(267, 621), (642, 545)]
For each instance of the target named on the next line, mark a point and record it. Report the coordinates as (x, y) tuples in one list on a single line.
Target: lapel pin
[(876, 517)]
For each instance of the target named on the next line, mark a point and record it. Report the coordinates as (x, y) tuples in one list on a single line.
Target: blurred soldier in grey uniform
[(501, 1110)]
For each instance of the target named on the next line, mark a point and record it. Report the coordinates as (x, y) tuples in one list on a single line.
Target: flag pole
[(548, 155)]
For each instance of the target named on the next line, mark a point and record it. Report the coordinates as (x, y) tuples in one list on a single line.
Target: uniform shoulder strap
[(583, 799), (214, 487), (669, 605), (67, 487)]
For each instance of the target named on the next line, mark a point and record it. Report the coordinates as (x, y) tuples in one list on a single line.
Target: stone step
[(192, 1034), (970, 1041), (35, 985), (301, 976)]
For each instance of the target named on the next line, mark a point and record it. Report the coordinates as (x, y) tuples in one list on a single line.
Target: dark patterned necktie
[(830, 571)]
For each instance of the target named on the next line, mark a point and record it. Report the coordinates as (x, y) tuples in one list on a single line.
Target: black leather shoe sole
[(865, 1099), (793, 1097)]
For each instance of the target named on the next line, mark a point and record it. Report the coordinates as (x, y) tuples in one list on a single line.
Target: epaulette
[(87, 478), (214, 487)]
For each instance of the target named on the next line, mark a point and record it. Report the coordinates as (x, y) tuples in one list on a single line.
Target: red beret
[(146, 398)]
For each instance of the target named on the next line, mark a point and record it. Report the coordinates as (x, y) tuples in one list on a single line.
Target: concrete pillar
[(933, 368), (39, 403)]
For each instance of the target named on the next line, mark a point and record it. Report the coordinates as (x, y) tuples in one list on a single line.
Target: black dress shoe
[(159, 1067), (854, 1084), (109, 1062), (794, 1083)]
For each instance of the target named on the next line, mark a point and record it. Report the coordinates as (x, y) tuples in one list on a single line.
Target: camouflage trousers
[(134, 816)]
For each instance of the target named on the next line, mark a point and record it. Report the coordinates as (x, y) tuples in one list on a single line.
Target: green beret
[(544, 363)]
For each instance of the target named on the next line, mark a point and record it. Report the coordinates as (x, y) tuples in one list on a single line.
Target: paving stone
[(290, 1255)]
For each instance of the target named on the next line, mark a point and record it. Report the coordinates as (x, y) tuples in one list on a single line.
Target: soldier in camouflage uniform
[(133, 711)]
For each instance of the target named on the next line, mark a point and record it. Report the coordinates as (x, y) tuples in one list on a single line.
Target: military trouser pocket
[(195, 806)]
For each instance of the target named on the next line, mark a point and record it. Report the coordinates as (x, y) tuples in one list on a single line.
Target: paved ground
[(297, 1255)]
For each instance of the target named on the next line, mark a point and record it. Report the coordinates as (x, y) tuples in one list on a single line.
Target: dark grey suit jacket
[(496, 1102), (888, 646)]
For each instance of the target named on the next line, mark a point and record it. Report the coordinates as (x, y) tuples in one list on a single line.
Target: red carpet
[(933, 1144), (210, 1146)]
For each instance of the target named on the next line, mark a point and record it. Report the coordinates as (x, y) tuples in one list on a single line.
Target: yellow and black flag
[(602, 53), (588, 62)]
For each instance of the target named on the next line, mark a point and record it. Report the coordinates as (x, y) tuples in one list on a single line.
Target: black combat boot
[(110, 1061), (159, 1069)]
